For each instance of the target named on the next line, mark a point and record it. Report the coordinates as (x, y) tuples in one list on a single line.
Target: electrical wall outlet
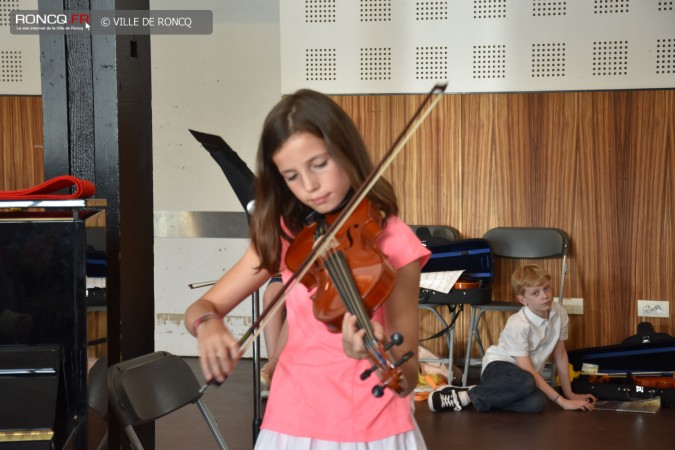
[(653, 308), (572, 305)]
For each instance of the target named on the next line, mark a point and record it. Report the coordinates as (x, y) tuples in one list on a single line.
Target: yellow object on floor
[(427, 383), (573, 374)]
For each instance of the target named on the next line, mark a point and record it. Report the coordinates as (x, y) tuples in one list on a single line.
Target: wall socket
[(572, 305), (653, 308)]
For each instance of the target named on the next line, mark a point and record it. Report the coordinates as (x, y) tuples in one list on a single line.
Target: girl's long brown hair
[(311, 112)]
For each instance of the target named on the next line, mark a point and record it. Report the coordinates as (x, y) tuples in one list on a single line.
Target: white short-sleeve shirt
[(527, 334)]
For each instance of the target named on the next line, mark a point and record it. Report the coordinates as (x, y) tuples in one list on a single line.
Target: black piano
[(43, 342)]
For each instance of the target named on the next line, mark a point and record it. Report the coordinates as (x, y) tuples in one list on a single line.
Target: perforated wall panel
[(19, 54), (397, 46)]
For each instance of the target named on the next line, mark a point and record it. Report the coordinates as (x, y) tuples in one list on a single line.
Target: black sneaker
[(444, 399)]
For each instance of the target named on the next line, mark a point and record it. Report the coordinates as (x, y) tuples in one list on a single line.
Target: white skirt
[(271, 440)]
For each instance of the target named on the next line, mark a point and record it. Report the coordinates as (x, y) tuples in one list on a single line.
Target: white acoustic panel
[(397, 46), (19, 54)]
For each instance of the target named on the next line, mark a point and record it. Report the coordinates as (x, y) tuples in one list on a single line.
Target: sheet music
[(440, 281)]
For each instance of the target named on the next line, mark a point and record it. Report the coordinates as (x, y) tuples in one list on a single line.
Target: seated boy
[(511, 378)]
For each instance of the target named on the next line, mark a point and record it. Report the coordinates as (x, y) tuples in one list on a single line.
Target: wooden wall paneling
[(21, 143), (97, 328), (600, 209), (431, 189), (554, 132), (554, 124), (479, 145), (428, 173), (478, 165), (440, 154), (649, 188)]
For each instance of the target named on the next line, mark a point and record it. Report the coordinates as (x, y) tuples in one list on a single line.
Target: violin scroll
[(390, 374)]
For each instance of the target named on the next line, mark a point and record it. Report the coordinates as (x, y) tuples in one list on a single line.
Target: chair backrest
[(97, 387), (524, 242), (531, 243), (148, 387), (432, 235), (97, 399)]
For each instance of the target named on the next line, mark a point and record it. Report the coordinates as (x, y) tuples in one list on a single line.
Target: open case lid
[(474, 256)]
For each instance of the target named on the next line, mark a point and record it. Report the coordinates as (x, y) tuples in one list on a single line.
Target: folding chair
[(517, 243), (431, 236), (97, 397), (151, 386)]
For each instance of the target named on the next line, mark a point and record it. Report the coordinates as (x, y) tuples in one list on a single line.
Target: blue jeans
[(508, 387)]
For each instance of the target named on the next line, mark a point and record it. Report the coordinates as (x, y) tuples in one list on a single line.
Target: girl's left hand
[(352, 337)]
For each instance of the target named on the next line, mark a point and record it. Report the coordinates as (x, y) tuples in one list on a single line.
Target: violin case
[(624, 390), (641, 366), (474, 256), (654, 355)]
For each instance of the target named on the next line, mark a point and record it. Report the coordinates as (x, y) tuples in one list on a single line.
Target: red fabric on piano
[(46, 190)]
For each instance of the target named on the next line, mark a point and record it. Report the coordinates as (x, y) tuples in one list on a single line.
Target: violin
[(467, 283), (352, 276), (645, 379)]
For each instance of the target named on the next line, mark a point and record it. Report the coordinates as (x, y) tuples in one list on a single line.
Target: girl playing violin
[(310, 159)]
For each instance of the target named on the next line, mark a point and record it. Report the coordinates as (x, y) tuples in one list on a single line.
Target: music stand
[(242, 180)]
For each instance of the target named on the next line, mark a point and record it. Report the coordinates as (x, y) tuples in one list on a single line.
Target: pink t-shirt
[(316, 390)]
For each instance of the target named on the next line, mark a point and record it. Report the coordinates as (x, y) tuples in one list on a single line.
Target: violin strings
[(340, 272)]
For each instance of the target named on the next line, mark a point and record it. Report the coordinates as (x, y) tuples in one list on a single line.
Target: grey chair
[(432, 235), (517, 243), (97, 395), (148, 387)]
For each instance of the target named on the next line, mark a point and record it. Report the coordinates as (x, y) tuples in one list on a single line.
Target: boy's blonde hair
[(526, 276)]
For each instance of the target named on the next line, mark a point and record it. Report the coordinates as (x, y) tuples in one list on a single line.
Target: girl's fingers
[(219, 355), (378, 330), (353, 337)]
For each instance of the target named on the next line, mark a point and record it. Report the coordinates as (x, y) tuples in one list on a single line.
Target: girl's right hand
[(218, 350)]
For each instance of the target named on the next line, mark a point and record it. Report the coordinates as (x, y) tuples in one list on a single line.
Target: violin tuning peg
[(366, 373), (403, 359), (396, 339), (378, 391)]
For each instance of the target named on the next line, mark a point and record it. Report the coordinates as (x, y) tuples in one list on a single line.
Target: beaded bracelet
[(201, 319)]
